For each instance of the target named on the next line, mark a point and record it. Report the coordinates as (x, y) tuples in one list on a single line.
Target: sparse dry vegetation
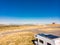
[(25, 38)]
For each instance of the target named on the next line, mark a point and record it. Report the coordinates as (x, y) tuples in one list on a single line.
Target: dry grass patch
[(23, 38)]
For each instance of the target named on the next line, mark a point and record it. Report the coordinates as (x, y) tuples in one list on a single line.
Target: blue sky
[(23, 11)]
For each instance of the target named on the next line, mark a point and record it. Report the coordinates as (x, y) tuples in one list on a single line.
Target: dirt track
[(57, 32)]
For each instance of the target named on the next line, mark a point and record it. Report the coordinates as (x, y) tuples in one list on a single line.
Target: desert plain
[(24, 34)]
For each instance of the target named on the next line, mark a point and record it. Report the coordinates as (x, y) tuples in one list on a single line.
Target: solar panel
[(49, 36)]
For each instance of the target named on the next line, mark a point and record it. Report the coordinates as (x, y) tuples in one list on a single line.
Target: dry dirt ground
[(24, 34)]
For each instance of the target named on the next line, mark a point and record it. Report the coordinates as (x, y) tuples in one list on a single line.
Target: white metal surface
[(57, 41)]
